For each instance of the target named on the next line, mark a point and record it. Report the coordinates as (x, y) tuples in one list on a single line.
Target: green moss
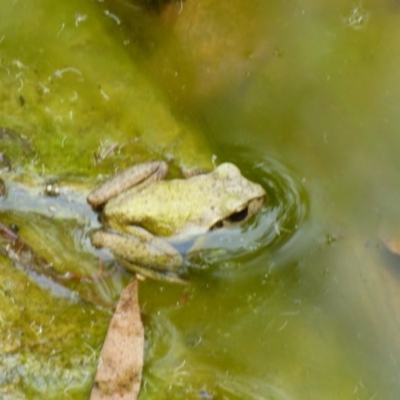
[(68, 83)]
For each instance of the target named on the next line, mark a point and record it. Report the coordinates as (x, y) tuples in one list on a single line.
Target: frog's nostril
[(217, 225), (239, 216)]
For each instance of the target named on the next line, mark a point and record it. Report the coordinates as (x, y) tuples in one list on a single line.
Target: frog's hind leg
[(142, 252)]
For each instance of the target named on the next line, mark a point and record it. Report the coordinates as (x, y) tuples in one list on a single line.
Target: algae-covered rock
[(70, 85)]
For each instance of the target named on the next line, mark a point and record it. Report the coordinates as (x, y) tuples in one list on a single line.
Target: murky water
[(303, 96)]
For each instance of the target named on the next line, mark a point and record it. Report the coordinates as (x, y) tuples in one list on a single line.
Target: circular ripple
[(284, 211), (286, 206)]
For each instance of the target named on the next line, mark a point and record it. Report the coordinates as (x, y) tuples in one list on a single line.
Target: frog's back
[(166, 208)]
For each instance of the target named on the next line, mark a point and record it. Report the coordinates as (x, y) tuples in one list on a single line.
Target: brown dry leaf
[(393, 245), (120, 366), (389, 236)]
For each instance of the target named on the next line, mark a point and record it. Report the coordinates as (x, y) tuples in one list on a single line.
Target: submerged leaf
[(121, 360)]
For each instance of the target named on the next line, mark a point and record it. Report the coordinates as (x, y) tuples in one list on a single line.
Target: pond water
[(303, 96)]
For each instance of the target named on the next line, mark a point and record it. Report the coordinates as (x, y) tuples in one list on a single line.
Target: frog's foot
[(137, 178), (150, 273)]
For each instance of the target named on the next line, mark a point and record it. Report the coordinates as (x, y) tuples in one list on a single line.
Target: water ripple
[(285, 210)]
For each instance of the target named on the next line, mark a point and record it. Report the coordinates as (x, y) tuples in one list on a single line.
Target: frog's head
[(240, 198)]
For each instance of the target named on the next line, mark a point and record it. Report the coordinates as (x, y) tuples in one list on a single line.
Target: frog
[(144, 215)]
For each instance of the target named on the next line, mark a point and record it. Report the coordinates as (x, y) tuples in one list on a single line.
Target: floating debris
[(357, 19)]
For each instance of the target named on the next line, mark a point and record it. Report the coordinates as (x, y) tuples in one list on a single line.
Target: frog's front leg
[(142, 252), (128, 181)]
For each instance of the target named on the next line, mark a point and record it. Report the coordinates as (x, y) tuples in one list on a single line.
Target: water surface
[(303, 96)]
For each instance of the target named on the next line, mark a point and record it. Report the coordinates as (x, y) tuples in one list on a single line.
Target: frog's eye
[(233, 219), (239, 216)]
